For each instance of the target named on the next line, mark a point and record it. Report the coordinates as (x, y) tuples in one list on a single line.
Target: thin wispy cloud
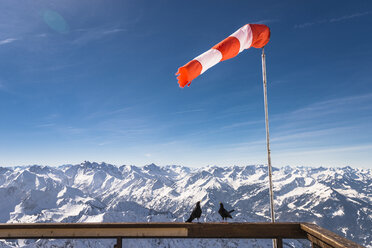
[(101, 114), (346, 17), (104, 143), (332, 149), (7, 41), (242, 124), (69, 130), (321, 108), (92, 34), (244, 146), (189, 111), (308, 24), (306, 134), (46, 125), (63, 129), (42, 35), (332, 20), (308, 128), (118, 126), (322, 120), (114, 30), (265, 21), (309, 121), (293, 137)]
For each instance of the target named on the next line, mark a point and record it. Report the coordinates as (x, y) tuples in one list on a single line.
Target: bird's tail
[(231, 211)]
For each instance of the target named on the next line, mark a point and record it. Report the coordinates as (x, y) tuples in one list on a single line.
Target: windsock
[(250, 35)]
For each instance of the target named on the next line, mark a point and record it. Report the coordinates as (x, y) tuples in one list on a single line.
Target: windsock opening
[(188, 72)]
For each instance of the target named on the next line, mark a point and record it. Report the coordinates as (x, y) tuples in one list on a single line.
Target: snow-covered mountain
[(339, 199)]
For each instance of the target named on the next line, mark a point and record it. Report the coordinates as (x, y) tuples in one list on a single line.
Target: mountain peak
[(151, 167)]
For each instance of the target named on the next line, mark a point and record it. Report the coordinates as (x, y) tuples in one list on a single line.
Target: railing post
[(313, 245), (119, 242), (279, 243)]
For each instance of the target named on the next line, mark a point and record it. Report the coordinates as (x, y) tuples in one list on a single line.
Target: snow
[(339, 199), (339, 212)]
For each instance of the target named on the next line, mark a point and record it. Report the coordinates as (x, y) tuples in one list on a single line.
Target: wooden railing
[(319, 237)]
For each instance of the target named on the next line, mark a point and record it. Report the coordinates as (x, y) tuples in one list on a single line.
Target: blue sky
[(94, 80)]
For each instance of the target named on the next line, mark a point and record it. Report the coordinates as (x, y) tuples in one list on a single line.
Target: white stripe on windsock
[(245, 37), (209, 59)]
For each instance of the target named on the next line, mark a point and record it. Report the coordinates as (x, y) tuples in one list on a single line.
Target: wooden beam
[(316, 243), (246, 230), (152, 230), (93, 233), (325, 238), (319, 237)]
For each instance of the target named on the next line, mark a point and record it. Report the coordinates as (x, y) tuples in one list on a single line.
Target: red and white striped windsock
[(250, 35)]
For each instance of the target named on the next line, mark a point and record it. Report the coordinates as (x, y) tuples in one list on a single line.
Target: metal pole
[(268, 141)]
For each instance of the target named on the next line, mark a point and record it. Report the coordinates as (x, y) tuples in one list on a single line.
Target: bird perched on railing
[(224, 213), (196, 213)]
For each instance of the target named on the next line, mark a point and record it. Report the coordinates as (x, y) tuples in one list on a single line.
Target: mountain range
[(338, 199)]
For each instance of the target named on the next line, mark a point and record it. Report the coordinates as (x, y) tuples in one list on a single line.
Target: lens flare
[(55, 21)]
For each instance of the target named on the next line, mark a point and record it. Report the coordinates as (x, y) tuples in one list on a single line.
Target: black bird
[(224, 213), (196, 213)]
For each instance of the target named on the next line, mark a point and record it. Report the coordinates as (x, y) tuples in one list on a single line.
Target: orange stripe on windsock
[(229, 47), (250, 35), (188, 72), (261, 35)]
